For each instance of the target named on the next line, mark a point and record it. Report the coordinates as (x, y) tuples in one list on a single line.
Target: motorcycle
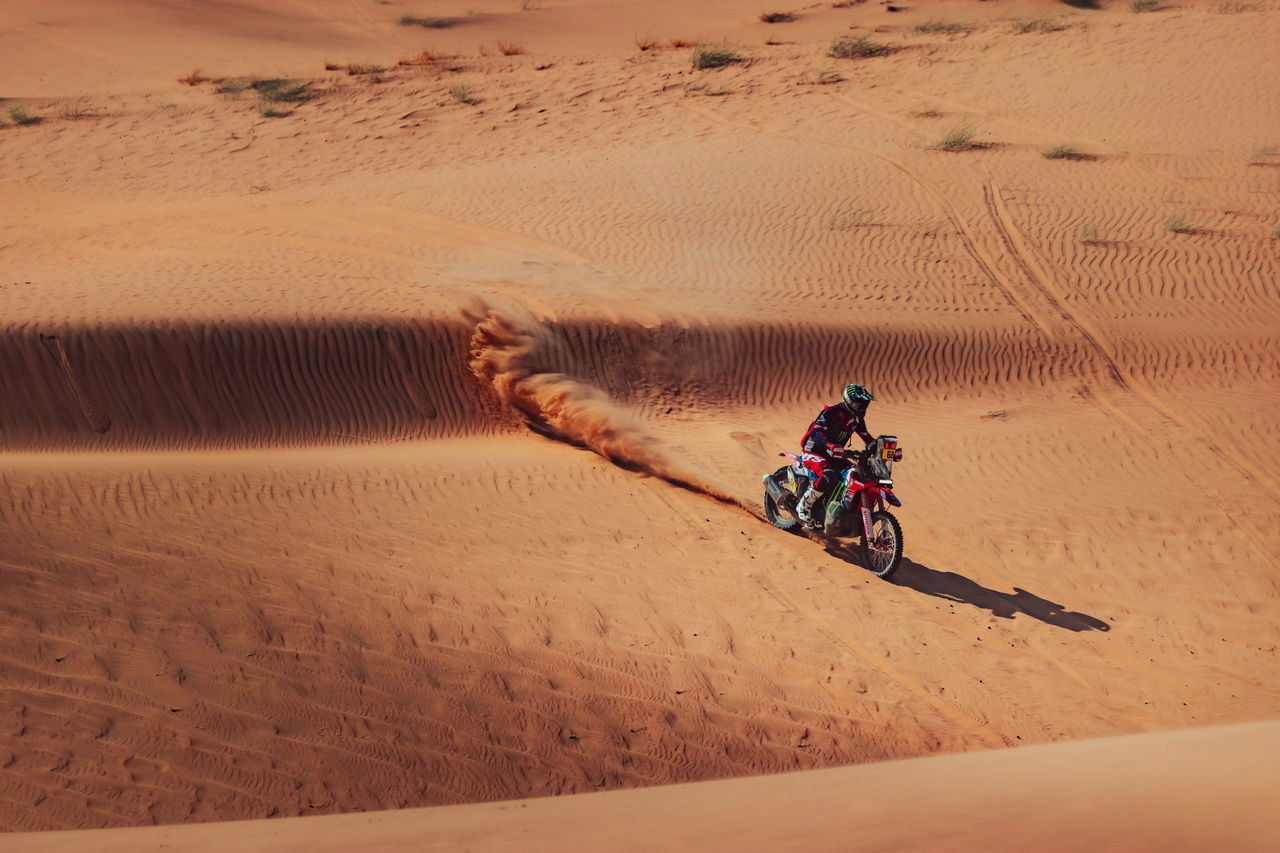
[(854, 509)]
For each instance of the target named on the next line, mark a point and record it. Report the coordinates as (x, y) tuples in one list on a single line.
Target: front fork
[(867, 503)]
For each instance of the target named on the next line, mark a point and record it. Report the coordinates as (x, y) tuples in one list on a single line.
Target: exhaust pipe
[(771, 486)]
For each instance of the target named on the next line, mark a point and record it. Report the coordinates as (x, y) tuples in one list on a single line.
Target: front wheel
[(882, 550)]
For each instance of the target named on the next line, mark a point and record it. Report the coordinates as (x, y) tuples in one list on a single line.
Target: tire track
[(980, 730), (1021, 252)]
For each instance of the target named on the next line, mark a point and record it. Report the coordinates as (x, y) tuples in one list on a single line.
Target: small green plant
[(1065, 152), (1139, 6), (856, 47), (20, 116), (848, 219), (942, 27), (1179, 224), (959, 138), (713, 57), (1038, 25), (231, 89), (277, 90), (463, 95), (777, 17), (429, 23), (1090, 234)]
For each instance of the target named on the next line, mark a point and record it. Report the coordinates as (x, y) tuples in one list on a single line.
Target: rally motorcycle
[(854, 509)]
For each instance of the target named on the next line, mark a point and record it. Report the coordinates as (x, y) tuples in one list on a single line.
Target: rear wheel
[(778, 517), (882, 550)]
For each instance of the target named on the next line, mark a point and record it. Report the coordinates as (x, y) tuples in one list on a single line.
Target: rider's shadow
[(954, 587)]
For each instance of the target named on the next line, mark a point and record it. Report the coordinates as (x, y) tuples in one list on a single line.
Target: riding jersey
[(834, 427)]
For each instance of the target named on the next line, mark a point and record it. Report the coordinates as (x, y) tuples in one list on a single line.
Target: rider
[(824, 443)]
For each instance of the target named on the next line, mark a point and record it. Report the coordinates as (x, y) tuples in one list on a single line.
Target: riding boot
[(804, 510)]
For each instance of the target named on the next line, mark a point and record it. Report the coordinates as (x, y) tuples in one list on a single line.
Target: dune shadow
[(958, 588)]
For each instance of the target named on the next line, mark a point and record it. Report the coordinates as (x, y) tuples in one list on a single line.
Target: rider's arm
[(860, 427)]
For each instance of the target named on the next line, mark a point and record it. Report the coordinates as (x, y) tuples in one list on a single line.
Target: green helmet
[(856, 398)]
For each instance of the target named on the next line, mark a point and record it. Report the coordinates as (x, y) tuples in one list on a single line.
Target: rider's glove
[(836, 451)]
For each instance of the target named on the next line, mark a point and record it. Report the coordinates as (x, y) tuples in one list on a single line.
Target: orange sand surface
[(284, 529)]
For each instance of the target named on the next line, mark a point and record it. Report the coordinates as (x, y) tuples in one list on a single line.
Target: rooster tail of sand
[(507, 351)]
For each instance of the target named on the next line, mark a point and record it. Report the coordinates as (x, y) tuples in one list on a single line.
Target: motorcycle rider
[(824, 445)]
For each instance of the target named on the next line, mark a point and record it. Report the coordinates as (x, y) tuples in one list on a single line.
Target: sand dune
[(329, 427), (1193, 790)]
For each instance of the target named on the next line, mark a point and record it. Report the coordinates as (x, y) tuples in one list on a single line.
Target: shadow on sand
[(954, 587)]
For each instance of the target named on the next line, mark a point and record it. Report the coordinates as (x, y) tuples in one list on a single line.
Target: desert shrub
[(1139, 6), (278, 90), (1065, 152), (74, 109), (273, 112), (959, 138), (1179, 223), (777, 17), (19, 116), (193, 78), (1038, 25), (429, 23), (945, 27), (364, 68), (463, 95), (681, 43), (713, 57), (1275, 231), (510, 48), (855, 47), (1084, 4), (925, 114), (425, 57)]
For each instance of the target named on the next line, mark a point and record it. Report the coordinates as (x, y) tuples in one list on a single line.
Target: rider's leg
[(821, 467)]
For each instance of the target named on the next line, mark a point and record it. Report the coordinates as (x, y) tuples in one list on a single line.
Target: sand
[(400, 446)]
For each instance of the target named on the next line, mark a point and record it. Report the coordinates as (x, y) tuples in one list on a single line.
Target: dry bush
[(957, 139), (509, 48), (429, 23), (859, 47), (359, 68), (713, 57), (942, 28), (823, 77), (777, 17), (425, 57), (194, 78), (925, 114), (646, 43), (463, 95), (679, 43), (75, 108), (1066, 152), (19, 116)]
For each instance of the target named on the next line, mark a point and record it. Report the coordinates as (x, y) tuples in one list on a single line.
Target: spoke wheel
[(882, 551)]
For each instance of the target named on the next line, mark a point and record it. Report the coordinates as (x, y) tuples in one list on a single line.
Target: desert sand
[(397, 442)]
